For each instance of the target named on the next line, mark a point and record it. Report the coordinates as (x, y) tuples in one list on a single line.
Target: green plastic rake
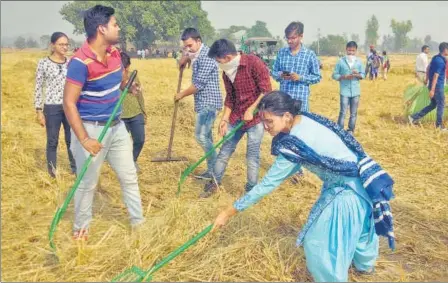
[(192, 167), (60, 212), (135, 274)]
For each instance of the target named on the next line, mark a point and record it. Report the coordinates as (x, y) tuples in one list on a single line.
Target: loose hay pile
[(259, 244)]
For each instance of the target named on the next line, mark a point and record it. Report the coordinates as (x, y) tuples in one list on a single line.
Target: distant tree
[(413, 45), (330, 45), (427, 39), (355, 38), (400, 30), (259, 30), (144, 22), (388, 43), (31, 43), (372, 31), (44, 40), (20, 42)]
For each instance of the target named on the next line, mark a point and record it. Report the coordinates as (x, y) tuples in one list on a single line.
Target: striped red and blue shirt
[(100, 83)]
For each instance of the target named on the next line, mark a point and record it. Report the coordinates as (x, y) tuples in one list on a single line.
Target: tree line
[(144, 23)]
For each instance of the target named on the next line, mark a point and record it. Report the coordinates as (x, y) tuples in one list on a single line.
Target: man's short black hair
[(294, 27), (190, 33), (351, 44), (95, 17), (424, 47), (221, 48), (443, 46)]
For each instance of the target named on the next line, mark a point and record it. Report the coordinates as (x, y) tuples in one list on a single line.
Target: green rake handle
[(60, 212), (190, 168), (142, 274)]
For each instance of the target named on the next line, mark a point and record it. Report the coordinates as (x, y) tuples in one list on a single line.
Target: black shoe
[(209, 189)]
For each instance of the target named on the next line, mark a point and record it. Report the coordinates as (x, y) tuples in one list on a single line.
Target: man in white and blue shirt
[(296, 67), (349, 71)]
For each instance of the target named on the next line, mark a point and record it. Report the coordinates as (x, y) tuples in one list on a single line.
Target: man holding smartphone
[(296, 67), (349, 71)]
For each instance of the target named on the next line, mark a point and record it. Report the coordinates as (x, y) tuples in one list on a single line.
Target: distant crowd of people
[(376, 63), (150, 53)]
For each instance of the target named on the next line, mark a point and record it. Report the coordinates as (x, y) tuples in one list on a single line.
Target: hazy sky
[(37, 18)]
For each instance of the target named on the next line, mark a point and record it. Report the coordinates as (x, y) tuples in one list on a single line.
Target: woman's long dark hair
[(278, 103)]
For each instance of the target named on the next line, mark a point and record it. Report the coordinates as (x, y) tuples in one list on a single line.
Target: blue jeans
[(117, 151), (205, 119), (254, 139), (353, 102), (136, 125), (437, 101)]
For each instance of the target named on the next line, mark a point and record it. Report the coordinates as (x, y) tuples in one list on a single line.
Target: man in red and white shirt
[(246, 80)]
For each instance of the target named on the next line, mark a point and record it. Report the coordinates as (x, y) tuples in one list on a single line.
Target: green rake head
[(133, 274)]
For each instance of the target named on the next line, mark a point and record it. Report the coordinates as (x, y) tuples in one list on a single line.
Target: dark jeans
[(353, 102), (136, 126), (437, 101), (54, 117)]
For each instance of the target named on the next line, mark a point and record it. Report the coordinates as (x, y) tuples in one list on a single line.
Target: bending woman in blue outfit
[(354, 201)]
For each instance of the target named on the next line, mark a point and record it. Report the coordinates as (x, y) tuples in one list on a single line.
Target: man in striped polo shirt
[(93, 87)]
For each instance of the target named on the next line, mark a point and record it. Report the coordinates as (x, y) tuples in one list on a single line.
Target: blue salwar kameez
[(340, 229)]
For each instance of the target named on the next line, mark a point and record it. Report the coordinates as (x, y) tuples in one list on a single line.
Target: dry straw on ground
[(257, 245)]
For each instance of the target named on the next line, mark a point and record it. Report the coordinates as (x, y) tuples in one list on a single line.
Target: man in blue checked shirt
[(296, 67), (206, 91)]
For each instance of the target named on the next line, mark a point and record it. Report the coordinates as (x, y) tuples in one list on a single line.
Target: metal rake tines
[(133, 274)]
